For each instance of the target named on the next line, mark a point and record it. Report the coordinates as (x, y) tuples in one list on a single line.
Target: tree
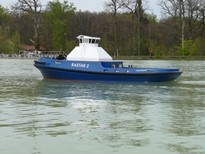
[(4, 20), (193, 8), (6, 44), (33, 8), (189, 48), (137, 11), (182, 22), (113, 6), (202, 19), (187, 14), (3, 15), (176, 9), (57, 14)]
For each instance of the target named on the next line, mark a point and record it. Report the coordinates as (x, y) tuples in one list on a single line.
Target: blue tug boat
[(88, 61)]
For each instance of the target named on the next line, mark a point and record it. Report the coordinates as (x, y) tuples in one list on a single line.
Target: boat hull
[(70, 74), (88, 61)]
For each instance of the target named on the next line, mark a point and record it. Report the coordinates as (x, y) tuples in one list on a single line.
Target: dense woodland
[(125, 27)]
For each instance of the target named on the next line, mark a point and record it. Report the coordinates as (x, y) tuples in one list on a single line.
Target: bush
[(190, 48), (7, 47)]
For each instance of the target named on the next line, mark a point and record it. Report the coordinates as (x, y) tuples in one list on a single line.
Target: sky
[(92, 5)]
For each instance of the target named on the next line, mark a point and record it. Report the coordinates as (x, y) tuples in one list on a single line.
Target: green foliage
[(6, 47), (8, 41), (57, 15), (157, 50), (3, 15), (4, 43), (190, 48), (8, 44), (200, 43), (15, 38), (70, 45), (152, 18)]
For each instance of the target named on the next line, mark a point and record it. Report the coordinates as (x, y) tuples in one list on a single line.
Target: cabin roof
[(88, 37)]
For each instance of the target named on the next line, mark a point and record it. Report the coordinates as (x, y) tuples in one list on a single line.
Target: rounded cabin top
[(88, 40)]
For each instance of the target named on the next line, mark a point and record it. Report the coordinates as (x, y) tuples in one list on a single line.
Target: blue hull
[(65, 70)]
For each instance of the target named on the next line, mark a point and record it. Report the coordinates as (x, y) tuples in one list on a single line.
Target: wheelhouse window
[(113, 66), (93, 41)]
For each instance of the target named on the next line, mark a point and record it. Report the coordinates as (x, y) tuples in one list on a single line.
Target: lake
[(56, 117)]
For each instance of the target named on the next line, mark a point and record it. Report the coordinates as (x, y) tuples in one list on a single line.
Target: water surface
[(56, 117)]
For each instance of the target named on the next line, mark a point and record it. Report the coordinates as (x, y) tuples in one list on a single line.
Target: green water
[(56, 117)]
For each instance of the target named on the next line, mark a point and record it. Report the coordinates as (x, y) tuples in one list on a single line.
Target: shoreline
[(125, 57)]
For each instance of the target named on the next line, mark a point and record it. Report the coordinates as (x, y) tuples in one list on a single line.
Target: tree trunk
[(139, 17), (182, 22)]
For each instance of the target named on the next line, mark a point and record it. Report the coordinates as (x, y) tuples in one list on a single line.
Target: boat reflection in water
[(88, 61)]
